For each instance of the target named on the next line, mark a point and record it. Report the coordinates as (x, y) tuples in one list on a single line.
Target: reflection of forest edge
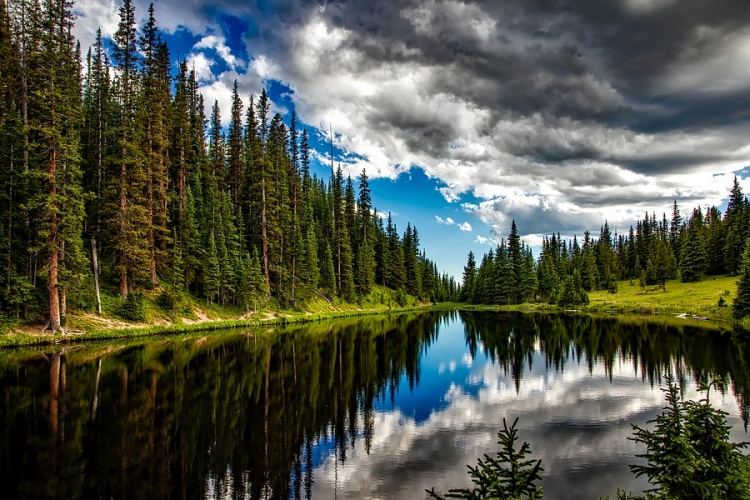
[(243, 414)]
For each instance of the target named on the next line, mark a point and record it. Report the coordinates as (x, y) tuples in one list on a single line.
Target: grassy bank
[(189, 315), (681, 304), (699, 299)]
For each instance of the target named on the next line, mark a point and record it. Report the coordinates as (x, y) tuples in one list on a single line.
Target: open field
[(699, 299)]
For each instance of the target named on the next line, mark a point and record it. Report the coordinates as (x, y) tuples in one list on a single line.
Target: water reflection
[(377, 408)]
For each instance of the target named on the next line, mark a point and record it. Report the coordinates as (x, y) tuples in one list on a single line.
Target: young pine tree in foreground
[(510, 476), (688, 457)]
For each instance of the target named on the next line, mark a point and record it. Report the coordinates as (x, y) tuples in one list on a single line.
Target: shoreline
[(663, 316)]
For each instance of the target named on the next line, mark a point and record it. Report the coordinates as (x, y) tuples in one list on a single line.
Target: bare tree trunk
[(150, 201), (123, 206), (54, 297), (264, 238), (95, 264), (61, 290)]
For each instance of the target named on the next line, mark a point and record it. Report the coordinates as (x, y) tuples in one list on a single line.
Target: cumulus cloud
[(218, 43), (540, 112), (465, 226), (557, 116), (201, 64), (555, 411)]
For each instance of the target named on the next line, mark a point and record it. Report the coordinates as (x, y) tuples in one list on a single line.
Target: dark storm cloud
[(556, 113), (602, 62)]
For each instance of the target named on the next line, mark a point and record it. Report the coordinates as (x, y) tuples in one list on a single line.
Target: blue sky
[(468, 114)]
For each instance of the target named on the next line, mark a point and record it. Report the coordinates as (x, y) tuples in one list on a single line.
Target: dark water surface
[(379, 408)]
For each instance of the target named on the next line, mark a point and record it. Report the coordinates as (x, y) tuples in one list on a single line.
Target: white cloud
[(482, 240), (448, 221), (202, 66), (218, 43), (379, 107), (465, 428)]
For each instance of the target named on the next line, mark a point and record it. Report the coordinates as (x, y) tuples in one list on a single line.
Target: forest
[(657, 250), (114, 178), (115, 181)]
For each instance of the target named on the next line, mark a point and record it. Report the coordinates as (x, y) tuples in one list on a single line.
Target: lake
[(374, 408)]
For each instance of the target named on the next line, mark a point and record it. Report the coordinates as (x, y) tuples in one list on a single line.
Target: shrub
[(509, 476), (134, 308)]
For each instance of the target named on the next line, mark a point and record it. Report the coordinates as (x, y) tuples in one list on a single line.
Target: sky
[(558, 114)]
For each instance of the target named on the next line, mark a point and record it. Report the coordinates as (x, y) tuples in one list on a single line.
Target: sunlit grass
[(699, 299)]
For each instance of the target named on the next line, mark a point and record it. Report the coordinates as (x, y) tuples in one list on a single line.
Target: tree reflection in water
[(251, 415)]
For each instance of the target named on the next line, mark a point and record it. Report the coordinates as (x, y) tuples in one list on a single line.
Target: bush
[(401, 298), (688, 455), (511, 475), (133, 309), (166, 301)]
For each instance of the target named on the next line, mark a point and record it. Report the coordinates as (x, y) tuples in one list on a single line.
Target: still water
[(379, 408)]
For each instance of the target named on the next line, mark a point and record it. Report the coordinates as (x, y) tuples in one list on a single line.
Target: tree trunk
[(95, 264), (54, 297), (150, 195), (123, 206), (264, 238), (61, 290)]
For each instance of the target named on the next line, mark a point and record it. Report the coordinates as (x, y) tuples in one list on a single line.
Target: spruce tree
[(153, 113), (235, 147), (212, 277), (693, 259), (57, 149), (741, 303), (327, 272), (736, 222), (468, 287), (130, 221)]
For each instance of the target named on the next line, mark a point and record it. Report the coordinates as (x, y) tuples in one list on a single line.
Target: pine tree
[(468, 288), (366, 229), (675, 228), (130, 219), (509, 475), (153, 114), (736, 222), (662, 264), (327, 272), (57, 147), (693, 259), (514, 257), (235, 147), (212, 278), (741, 303)]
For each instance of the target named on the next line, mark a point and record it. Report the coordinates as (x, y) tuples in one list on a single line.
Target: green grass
[(699, 299), (214, 317)]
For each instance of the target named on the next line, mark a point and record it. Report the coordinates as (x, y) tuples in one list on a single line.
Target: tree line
[(655, 251), (112, 171)]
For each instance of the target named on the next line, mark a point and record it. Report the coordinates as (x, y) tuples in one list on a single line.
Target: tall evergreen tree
[(130, 219), (736, 222), (154, 114)]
